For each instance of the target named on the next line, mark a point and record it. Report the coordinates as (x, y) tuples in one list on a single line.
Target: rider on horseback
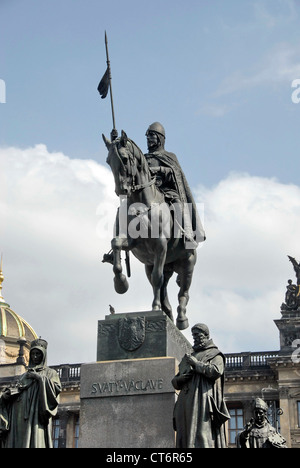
[(171, 180), (148, 232)]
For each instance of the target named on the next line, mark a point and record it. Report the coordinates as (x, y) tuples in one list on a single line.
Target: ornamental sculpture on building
[(292, 295)]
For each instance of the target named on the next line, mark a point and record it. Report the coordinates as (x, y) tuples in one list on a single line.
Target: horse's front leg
[(185, 276), (120, 280)]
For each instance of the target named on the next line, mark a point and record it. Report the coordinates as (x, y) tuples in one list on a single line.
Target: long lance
[(114, 132)]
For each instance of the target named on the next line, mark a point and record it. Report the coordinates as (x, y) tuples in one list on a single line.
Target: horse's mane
[(142, 158), (134, 153)]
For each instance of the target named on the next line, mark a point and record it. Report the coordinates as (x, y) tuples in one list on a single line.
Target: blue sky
[(218, 75)]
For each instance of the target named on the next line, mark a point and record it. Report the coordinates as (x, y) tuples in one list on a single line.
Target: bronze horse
[(145, 226)]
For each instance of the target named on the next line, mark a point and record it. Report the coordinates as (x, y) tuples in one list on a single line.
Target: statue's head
[(155, 136), (200, 333), (260, 411), (38, 353)]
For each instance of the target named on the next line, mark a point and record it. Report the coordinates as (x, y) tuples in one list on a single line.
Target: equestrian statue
[(157, 219)]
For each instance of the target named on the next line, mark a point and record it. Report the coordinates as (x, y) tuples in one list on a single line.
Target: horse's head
[(126, 161)]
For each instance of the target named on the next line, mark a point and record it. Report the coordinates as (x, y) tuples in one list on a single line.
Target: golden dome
[(13, 328)]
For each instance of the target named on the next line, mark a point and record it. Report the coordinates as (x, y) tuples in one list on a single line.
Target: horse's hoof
[(182, 324), (121, 284)]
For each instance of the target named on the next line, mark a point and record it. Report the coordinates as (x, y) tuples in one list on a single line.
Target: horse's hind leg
[(155, 273), (148, 269), (185, 269), (156, 304), (165, 304), (164, 300)]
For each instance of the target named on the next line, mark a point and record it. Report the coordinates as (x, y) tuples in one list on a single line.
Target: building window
[(235, 423), (55, 432), (76, 431)]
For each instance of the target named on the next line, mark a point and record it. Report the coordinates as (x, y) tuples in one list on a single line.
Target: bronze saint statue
[(171, 181), (26, 413), (157, 219), (258, 432), (200, 411)]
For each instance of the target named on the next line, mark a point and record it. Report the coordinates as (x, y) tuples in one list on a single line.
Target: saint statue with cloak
[(171, 181), (200, 411), (26, 413), (258, 432)]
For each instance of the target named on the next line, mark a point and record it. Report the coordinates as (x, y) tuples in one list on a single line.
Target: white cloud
[(251, 226), (56, 221)]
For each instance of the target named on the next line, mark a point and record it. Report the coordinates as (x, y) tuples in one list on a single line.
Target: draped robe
[(200, 411), (28, 412), (175, 187)]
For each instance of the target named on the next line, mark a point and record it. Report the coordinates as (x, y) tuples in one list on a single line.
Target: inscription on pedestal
[(128, 403), (125, 378), (128, 387)]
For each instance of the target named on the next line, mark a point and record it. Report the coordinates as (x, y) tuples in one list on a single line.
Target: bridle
[(132, 170)]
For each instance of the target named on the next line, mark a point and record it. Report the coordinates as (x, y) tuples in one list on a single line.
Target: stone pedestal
[(138, 335), (127, 404), (127, 398)]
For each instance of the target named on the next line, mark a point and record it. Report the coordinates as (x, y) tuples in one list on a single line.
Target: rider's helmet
[(157, 128)]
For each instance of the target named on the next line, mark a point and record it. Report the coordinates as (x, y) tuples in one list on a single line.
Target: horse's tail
[(127, 262)]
